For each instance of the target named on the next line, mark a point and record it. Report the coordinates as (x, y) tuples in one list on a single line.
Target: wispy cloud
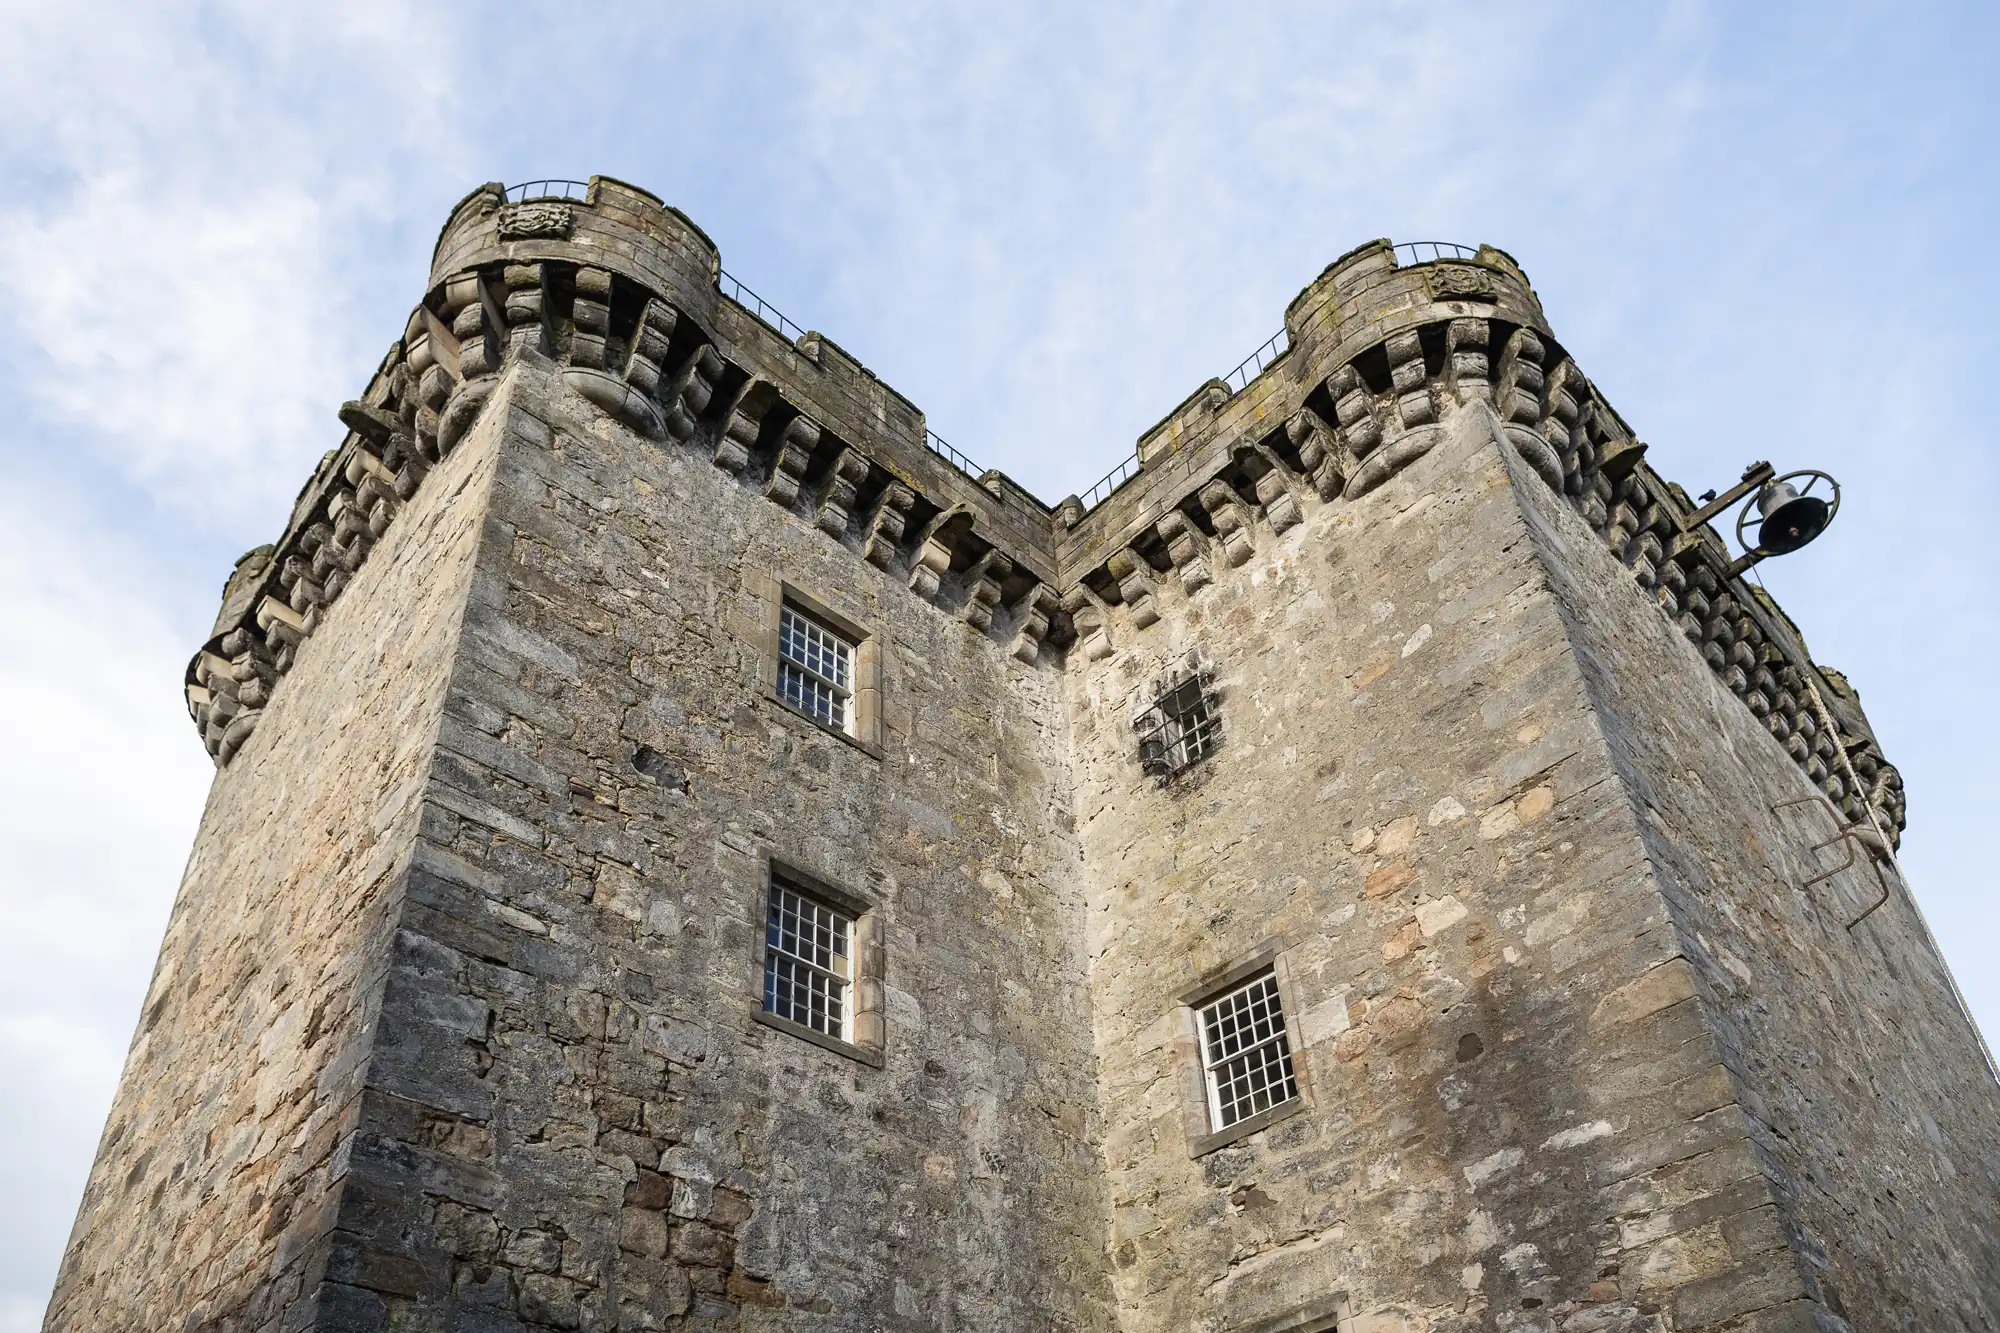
[(198, 204), (200, 257), (1755, 226)]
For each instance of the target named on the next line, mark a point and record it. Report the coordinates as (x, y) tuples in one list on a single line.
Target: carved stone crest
[(518, 221), (1461, 282)]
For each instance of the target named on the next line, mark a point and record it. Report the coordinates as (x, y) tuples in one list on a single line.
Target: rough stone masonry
[(1392, 686)]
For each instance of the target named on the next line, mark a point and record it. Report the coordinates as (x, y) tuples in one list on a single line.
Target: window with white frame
[(808, 961), (815, 669), (1246, 1059)]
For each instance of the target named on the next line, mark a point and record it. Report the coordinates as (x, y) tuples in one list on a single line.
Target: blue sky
[(1763, 230)]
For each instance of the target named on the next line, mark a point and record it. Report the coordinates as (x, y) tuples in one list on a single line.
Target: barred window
[(815, 669), (1183, 727), (1244, 1053), (808, 961)]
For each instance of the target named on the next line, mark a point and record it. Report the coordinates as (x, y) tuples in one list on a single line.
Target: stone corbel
[(693, 387), (745, 422), (649, 346), (281, 624), (1187, 548), (1467, 369), (618, 399), (1519, 401), (1135, 585), (374, 490), (1319, 453), (788, 467), (1232, 521), (352, 539), (935, 545), (1354, 412), (1036, 610), (236, 731), (1560, 412), (1417, 431), (836, 507), (1415, 406), (1274, 491), (461, 411), (432, 380), (388, 433), (474, 331), (886, 523), (303, 590), (591, 373), (927, 570), (1086, 613), (475, 319), (590, 315), (523, 307), (986, 575)]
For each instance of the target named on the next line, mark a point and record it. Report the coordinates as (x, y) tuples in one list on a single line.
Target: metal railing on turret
[(1429, 252), (758, 306), (733, 288), (549, 189), (1258, 361)]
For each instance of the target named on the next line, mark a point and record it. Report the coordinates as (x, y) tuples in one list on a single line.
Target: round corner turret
[(1381, 288), (603, 222)]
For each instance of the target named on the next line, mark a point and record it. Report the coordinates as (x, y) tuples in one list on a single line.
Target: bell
[(1790, 519)]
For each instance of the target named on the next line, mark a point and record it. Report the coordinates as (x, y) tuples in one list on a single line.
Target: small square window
[(816, 669), (808, 962), (1183, 727), (1246, 1059)]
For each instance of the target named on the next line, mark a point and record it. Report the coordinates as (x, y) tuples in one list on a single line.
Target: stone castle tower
[(687, 853)]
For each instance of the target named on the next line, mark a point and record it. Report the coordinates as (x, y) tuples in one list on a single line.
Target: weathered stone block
[(461, 1019)]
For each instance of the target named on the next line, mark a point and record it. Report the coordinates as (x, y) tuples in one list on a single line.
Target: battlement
[(1380, 351), (691, 850)]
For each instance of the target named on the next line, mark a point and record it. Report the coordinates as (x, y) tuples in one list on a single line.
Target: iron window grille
[(808, 962), (1245, 1056), (1183, 727), (816, 670)]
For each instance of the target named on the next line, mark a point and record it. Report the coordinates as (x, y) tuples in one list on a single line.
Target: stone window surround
[(864, 992), (1195, 740), (1191, 1074), (776, 594)]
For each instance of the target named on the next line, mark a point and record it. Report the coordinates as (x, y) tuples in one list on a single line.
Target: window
[(1245, 1057), (1183, 727), (808, 962), (816, 661), (815, 669)]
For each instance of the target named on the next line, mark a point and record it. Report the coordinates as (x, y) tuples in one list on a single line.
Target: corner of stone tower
[(688, 850)]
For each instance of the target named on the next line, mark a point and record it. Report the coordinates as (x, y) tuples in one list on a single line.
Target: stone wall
[(1871, 1103), (220, 1165), (458, 1023), (1517, 1117), (574, 1117)]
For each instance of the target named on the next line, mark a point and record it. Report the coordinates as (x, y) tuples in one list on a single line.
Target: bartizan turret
[(691, 851)]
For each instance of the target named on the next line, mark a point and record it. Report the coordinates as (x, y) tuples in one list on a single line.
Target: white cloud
[(98, 803), (1047, 225), (207, 183), (195, 269)]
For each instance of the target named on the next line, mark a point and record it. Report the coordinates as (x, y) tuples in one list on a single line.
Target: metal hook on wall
[(1849, 837)]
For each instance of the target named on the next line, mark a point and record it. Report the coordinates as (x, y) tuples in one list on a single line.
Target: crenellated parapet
[(1380, 355), (621, 292)]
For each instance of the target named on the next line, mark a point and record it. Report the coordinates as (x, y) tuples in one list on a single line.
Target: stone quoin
[(688, 853)]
